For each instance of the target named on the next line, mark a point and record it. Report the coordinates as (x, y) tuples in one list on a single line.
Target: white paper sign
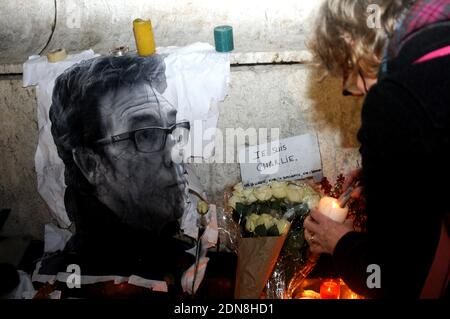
[(293, 158)]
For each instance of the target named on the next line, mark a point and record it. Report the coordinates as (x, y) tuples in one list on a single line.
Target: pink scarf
[(422, 13)]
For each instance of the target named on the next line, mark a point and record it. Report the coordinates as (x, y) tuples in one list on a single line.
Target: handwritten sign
[(293, 158)]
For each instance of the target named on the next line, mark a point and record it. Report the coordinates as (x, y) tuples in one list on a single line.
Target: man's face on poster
[(137, 178)]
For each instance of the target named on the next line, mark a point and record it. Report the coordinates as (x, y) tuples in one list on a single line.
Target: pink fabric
[(422, 13), (435, 54), (426, 12)]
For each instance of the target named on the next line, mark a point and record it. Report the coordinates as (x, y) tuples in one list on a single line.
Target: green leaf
[(240, 207), (301, 209), (278, 205), (236, 216), (260, 231), (248, 234), (265, 209), (273, 231)]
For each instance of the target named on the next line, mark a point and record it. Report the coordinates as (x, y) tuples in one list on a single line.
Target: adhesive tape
[(56, 55)]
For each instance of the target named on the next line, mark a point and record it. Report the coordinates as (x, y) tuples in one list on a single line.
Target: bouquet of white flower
[(269, 217)]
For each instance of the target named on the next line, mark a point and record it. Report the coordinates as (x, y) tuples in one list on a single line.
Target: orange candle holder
[(329, 289)]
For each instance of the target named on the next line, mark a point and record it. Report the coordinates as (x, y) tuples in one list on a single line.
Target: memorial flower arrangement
[(270, 219), (273, 255)]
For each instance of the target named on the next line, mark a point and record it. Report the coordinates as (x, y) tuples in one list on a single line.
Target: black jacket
[(405, 144)]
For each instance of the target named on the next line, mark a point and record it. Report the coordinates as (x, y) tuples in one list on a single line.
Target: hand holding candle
[(327, 224), (329, 207)]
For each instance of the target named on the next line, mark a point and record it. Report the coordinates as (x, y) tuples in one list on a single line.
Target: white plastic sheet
[(154, 285), (24, 289), (49, 167), (55, 238), (189, 225), (197, 79), (208, 240)]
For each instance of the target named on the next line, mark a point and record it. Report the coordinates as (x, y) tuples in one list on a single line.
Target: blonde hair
[(344, 40)]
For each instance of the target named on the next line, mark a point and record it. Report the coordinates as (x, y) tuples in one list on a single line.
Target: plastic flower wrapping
[(271, 246)]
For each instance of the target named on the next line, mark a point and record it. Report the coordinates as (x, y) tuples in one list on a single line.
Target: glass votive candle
[(329, 289)]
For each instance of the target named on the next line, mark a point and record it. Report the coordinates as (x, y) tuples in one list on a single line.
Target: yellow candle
[(143, 34), (330, 207)]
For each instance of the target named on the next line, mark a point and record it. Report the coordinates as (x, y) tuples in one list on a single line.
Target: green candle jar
[(223, 38)]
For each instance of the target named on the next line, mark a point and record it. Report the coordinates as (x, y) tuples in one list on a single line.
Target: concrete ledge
[(300, 56), (11, 69), (236, 58)]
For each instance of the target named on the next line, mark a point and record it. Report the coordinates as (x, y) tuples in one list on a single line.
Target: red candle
[(329, 290)]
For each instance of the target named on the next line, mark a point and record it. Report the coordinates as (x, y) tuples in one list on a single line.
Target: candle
[(330, 207), (346, 293), (353, 296), (143, 34), (223, 38), (329, 289)]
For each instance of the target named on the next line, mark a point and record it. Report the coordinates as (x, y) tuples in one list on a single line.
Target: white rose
[(250, 224), (233, 200), (238, 187), (246, 193), (202, 207), (312, 200), (263, 193), (251, 199), (308, 190), (283, 226), (238, 190), (253, 217), (279, 189), (278, 184), (266, 220), (294, 194), (239, 194)]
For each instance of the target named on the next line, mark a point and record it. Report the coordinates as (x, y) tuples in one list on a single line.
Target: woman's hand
[(323, 233), (353, 179)]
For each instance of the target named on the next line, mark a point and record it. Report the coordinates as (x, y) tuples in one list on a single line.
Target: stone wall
[(44, 25), (291, 98), (18, 141)]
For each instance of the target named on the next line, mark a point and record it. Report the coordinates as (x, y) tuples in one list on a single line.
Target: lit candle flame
[(335, 204)]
